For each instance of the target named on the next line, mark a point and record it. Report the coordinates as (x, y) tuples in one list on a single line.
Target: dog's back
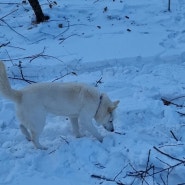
[(60, 98)]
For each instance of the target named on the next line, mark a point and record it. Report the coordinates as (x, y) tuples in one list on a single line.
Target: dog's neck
[(100, 101)]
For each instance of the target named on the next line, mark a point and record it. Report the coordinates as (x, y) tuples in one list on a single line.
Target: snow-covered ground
[(134, 50)]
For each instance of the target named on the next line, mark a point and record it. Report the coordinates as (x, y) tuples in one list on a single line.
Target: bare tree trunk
[(40, 17), (169, 5)]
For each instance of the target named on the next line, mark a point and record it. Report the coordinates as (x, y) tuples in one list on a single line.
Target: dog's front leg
[(87, 123)]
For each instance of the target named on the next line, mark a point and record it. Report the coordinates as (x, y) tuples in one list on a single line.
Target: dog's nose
[(112, 130)]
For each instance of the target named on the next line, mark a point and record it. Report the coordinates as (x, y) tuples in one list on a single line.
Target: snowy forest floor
[(132, 50)]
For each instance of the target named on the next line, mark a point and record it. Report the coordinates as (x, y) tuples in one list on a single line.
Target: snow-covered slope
[(132, 50)]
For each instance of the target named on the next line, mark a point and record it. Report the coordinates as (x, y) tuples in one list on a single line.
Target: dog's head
[(105, 114)]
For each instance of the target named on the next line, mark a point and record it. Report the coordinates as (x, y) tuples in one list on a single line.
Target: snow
[(132, 50)]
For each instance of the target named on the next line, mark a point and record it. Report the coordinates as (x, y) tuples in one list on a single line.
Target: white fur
[(80, 102)]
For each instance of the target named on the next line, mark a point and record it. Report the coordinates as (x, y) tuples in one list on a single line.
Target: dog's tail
[(5, 87)]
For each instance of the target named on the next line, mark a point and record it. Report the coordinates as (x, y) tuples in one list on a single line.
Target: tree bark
[(40, 17), (169, 5)]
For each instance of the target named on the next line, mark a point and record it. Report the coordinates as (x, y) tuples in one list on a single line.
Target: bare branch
[(8, 14), (34, 56), (4, 44), (22, 75), (69, 73), (14, 29), (98, 82), (106, 179), (173, 135), (168, 102), (63, 39), (169, 156)]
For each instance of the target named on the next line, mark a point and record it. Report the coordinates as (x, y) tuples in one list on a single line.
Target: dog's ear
[(114, 106), (116, 103)]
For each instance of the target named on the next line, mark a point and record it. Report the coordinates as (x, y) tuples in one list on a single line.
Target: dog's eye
[(111, 118)]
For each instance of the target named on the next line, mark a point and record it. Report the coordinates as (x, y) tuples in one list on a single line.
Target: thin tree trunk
[(169, 5), (40, 17)]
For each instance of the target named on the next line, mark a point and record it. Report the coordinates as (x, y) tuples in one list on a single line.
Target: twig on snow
[(181, 113), (2, 20), (22, 75), (110, 179), (169, 156), (170, 145), (147, 164), (183, 96), (8, 13), (173, 135), (67, 28), (98, 82), (64, 139), (169, 102), (35, 56), (63, 39), (106, 179), (4, 44), (10, 46), (143, 174), (10, 3), (119, 133), (68, 73)]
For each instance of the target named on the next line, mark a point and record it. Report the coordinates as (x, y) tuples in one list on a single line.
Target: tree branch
[(33, 57), (106, 179), (169, 156)]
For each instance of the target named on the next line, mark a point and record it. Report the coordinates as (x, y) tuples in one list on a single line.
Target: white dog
[(80, 102)]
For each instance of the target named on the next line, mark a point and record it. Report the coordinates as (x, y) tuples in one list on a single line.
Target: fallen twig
[(10, 3), (8, 13), (169, 156), (98, 82), (169, 102), (120, 133), (181, 113), (172, 145), (147, 165), (142, 174), (64, 139), (33, 57), (2, 20), (183, 96), (63, 39), (69, 73), (173, 135), (22, 75), (67, 28), (22, 79), (110, 179), (4, 44), (106, 179)]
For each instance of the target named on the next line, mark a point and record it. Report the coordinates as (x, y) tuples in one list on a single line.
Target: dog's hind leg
[(25, 132), (75, 126), (35, 140), (37, 123), (32, 120)]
